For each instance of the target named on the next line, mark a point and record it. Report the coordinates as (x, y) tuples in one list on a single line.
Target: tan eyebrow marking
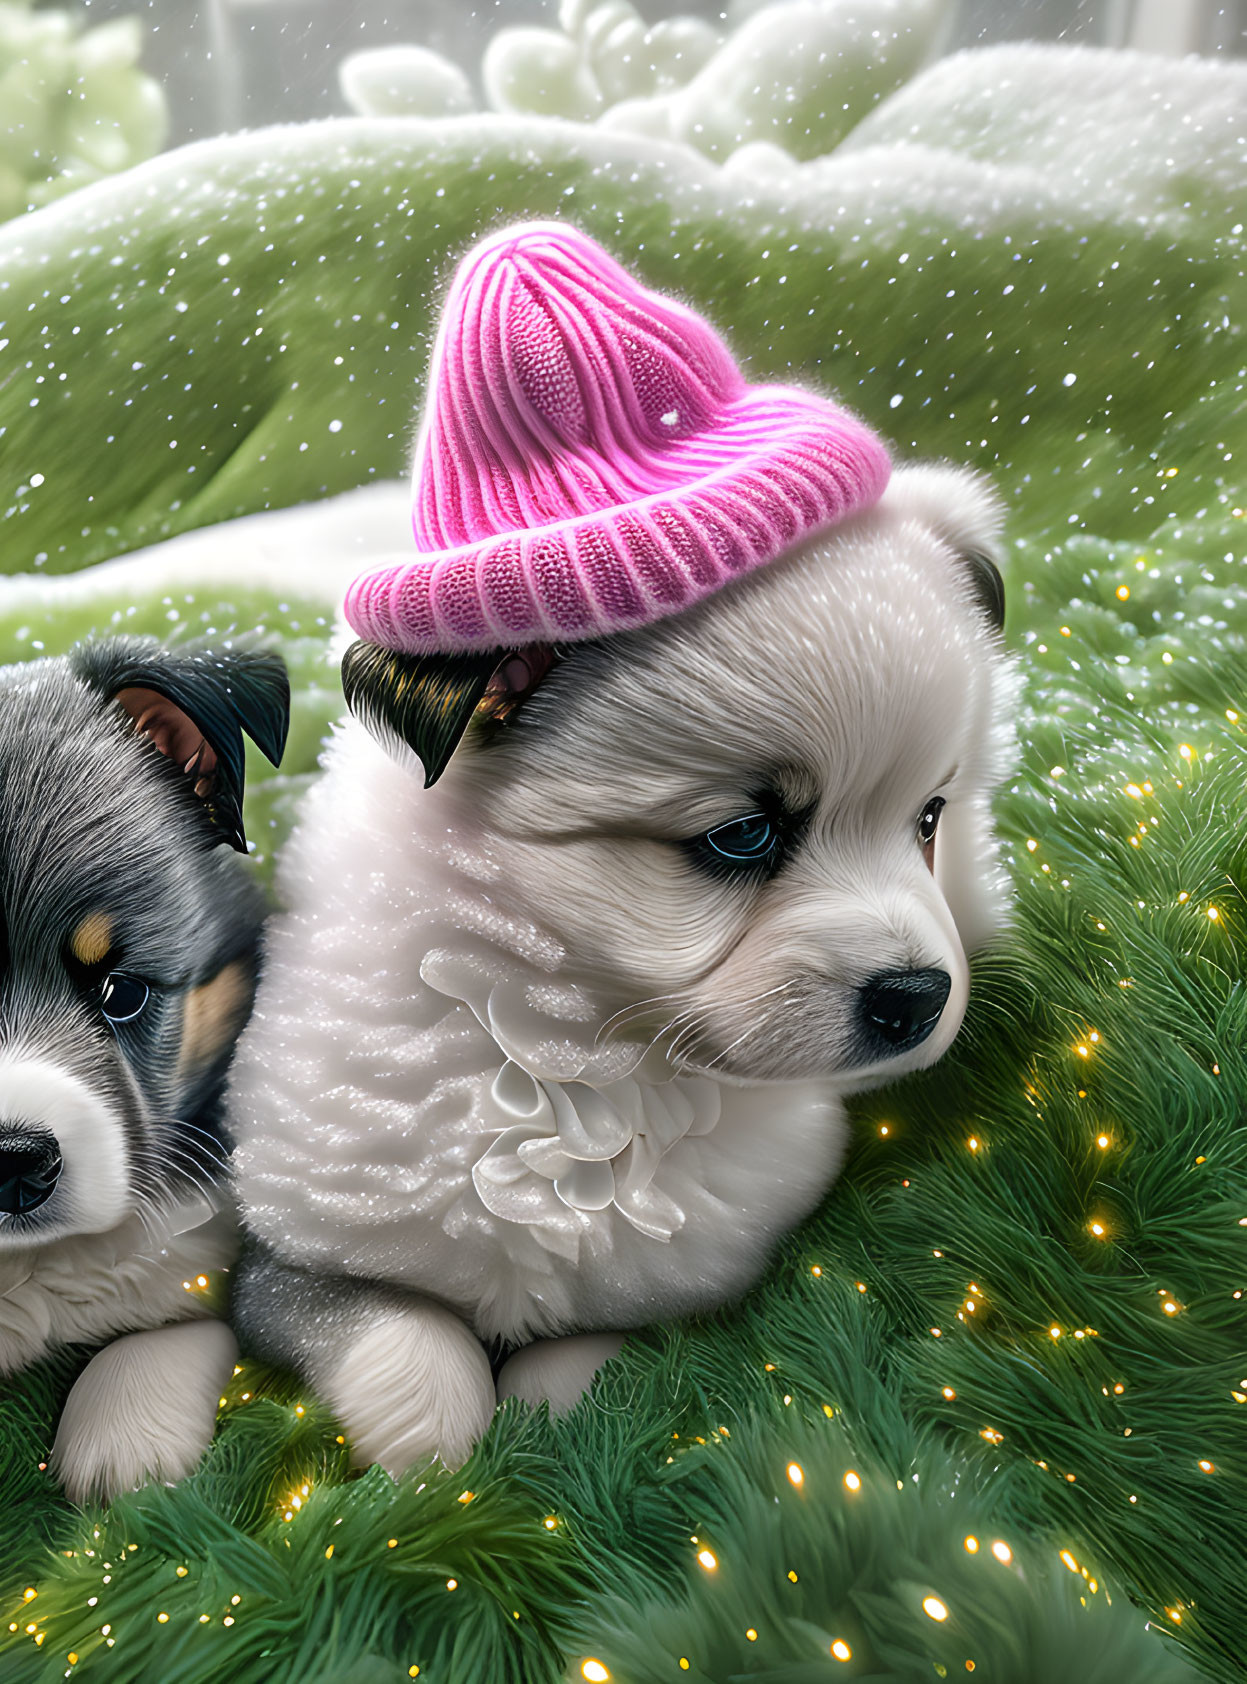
[(92, 939), (213, 1015)]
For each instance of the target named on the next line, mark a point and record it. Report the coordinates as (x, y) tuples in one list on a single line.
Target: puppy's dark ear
[(965, 512), (986, 586), (194, 704), (422, 702)]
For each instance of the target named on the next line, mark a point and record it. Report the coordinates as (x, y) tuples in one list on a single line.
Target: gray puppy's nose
[(901, 1008), (30, 1161)]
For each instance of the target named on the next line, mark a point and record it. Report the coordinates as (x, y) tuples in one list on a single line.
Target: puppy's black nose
[(901, 1008), (29, 1165)]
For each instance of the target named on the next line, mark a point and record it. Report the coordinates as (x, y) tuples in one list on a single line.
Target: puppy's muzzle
[(30, 1165), (899, 1009)]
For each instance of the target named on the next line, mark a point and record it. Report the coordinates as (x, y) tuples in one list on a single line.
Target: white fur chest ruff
[(92, 1286), (422, 1098)]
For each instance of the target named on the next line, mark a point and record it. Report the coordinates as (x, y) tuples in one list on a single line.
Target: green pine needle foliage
[(823, 1567)]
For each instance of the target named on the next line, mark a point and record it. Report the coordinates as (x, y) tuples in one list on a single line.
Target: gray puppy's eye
[(123, 997)]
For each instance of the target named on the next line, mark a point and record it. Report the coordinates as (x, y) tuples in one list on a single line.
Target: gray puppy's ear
[(194, 704), (426, 702)]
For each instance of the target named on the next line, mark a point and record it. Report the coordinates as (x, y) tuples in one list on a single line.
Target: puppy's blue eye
[(748, 840), (123, 997)]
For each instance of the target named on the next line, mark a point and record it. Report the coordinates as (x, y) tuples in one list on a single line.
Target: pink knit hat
[(591, 459)]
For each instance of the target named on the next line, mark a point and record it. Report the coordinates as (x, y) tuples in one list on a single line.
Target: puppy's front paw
[(414, 1384), (557, 1371), (144, 1408)]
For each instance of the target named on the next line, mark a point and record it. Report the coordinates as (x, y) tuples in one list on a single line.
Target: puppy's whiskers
[(759, 1023), (693, 1028), (628, 1014), (687, 1023), (213, 1149), (193, 1171), (147, 1208), (653, 1042), (185, 1168)]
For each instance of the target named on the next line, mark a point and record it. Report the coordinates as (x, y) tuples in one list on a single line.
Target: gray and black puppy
[(128, 961)]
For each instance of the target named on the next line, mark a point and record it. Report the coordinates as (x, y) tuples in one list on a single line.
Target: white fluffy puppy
[(558, 1046)]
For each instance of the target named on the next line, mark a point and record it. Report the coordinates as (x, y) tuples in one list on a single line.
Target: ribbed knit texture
[(591, 459)]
